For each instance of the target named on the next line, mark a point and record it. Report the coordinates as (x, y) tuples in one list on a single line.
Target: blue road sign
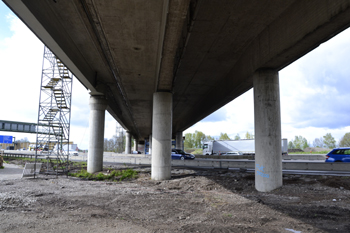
[(5, 139)]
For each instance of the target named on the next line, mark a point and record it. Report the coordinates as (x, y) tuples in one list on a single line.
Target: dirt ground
[(192, 201)]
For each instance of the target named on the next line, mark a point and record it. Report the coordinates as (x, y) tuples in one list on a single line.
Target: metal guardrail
[(216, 163), (19, 155), (304, 157), (244, 164)]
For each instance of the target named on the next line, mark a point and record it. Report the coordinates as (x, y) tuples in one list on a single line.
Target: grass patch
[(2, 167), (114, 175)]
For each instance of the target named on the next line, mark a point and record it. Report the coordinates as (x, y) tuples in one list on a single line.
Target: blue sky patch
[(219, 115), (5, 31)]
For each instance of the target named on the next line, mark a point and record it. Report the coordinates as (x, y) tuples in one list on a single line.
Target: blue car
[(180, 154), (339, 155)]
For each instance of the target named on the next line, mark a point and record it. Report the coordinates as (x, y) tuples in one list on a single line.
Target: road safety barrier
[(216, 163), (244, 164)]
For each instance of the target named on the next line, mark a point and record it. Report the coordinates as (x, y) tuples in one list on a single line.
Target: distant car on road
[(341, 154), (232, 153), (74, 153), (180, 154)]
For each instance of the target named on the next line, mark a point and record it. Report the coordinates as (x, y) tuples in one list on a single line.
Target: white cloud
[(238, 118), (314, 89), (21, 56), (314, 94), (21, 59)]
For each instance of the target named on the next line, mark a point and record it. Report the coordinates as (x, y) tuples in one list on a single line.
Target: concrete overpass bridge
[(160, 66)]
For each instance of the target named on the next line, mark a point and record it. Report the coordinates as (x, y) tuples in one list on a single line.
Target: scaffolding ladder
[(54, 114)]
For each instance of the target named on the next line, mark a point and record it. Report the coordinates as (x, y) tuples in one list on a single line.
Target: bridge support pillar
[(128, 143), (161, 135), (136, 145), (267, 118), (179, 143), (150, 144), (98, 106)]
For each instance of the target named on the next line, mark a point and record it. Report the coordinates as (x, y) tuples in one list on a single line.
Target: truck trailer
[(245, 146)]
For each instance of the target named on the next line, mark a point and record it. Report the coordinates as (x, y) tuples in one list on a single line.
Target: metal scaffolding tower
[(54, 113)]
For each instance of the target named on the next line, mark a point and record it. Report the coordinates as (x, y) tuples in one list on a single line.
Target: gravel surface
[(192, 201)]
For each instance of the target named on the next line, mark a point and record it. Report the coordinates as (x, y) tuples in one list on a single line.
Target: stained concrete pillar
[(161, 135), (178, 139), (136, 143), (150, 144), (98, 106), (127, 143), (267, 118)]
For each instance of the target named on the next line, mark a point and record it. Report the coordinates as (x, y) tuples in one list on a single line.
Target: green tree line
[(196, 139), (326, 141)]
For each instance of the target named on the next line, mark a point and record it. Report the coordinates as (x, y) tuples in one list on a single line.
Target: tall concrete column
[(178, 139), (127, 143), (267, 118), (150, 144), (136, 143), (161, 135), (98, 106)]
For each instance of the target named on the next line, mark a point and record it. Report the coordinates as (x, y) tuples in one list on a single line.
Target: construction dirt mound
[(192, 201)]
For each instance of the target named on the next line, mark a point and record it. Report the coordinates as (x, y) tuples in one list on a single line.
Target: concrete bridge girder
[(204, 52)]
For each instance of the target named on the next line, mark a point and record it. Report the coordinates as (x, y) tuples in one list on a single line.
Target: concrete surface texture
[(179, 141), (204, 52), (98, 106), (267, 116), (150, 144), (161, 141), (136, 142), (127, 142)]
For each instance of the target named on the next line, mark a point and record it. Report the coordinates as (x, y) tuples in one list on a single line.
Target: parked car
[(232, 153), (180, 154), (339, 155)]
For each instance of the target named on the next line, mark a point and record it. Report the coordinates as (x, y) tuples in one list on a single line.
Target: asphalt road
[(10, 172)]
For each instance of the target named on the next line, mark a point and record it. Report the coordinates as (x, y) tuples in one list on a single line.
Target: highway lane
[(314, 167), (307, 167)]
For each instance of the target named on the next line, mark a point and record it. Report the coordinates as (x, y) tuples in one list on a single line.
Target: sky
[(314, 91)]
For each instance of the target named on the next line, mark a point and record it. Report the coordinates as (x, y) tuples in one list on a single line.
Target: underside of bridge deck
[(204, 52)]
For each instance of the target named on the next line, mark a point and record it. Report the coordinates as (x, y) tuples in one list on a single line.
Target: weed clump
[(114, 175)]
